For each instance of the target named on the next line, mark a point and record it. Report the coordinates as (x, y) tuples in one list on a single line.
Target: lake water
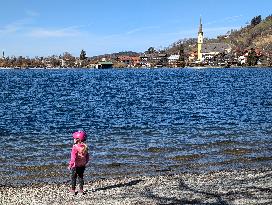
[(139, 121)]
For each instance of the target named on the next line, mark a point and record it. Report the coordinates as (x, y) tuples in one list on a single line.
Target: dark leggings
[(77, 172)]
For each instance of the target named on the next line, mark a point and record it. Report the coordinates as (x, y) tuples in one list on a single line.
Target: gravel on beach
[(219, 187)]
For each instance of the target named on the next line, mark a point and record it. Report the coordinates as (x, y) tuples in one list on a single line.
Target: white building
[(172, 60)]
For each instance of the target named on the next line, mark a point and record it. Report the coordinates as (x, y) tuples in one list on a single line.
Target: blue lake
[(139, 121)]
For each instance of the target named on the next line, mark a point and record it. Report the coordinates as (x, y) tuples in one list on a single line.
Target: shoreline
[(130, 68), (218, 187)]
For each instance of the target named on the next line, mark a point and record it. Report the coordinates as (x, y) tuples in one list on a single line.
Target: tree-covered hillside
[(257, 34)]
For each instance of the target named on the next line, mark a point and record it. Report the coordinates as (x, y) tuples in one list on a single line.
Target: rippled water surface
[(139, 121)]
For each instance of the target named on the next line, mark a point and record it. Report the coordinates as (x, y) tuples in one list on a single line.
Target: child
[(79, 159)]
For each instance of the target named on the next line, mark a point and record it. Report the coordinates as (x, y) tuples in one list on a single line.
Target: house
[(160, 60), (129, 61), (242, 60), (124, 59), (193, 56), (173, 60), (63, 63), (136, 61), (145, 60)]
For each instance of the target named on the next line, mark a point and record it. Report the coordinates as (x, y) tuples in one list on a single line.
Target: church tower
[(199, 42)]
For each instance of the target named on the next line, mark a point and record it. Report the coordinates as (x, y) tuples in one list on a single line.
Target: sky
[(46, 27)]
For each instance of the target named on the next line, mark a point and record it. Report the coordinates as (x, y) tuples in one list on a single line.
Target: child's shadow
[(131, 183)]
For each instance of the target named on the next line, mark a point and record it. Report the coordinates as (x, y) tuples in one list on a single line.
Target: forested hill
[(115, 55), (257, 34)]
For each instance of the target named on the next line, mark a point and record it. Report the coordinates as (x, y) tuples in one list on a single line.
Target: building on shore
[(129, 61), (173, 60), (210, 50), (104, 65), (207, 52), (200, 37)]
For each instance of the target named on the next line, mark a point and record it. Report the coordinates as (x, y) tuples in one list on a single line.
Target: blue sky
[(47, 27)]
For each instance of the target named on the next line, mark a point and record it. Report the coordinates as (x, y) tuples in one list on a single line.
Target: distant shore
[(195, 67), (220, 187)]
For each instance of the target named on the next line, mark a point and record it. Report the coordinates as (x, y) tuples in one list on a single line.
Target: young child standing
[(78, 161)]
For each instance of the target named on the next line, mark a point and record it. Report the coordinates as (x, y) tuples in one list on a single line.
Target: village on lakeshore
[(230, 50)]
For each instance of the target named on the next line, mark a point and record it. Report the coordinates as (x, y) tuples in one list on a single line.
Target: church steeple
[(200, 26), (199, 41)]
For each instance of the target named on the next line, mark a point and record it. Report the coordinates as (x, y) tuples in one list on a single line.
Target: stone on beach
[(220, 187)]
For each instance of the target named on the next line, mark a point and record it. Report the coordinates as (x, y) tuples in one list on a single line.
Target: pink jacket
[(79, 156)]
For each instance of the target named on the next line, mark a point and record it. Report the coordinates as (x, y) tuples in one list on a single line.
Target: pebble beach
[(219, 187)]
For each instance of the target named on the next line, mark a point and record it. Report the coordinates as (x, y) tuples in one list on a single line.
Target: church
[(206, 51)]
